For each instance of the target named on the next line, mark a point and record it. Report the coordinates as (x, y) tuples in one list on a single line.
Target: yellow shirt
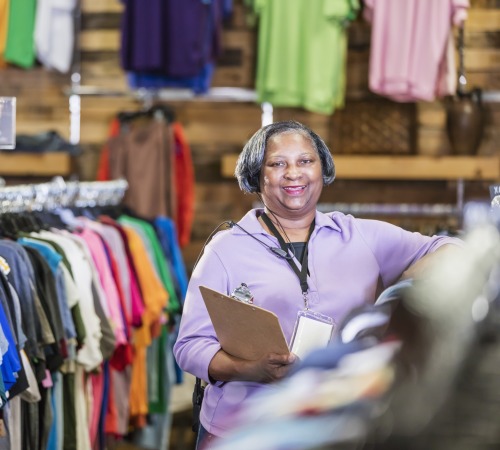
[(4, 23)]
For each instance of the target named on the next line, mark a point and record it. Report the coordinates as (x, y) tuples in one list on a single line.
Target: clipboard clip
[(243, 294)]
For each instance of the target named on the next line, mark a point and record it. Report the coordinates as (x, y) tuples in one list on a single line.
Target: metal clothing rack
[(394, 209), (146, 97), (403, 209), (58, 193)]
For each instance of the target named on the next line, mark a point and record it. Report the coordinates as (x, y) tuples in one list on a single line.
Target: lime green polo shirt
[(20, 45), (302, 48)]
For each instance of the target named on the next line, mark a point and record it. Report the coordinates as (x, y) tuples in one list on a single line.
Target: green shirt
[(158, 258), (302, 46), (20, 45)]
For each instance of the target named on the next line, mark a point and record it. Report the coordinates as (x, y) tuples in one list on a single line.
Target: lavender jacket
[(350, 262)]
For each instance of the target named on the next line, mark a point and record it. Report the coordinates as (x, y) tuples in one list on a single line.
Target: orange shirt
[(4, 24), (155, 300)]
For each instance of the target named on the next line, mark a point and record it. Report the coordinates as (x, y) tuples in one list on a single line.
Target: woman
[(346, 262)]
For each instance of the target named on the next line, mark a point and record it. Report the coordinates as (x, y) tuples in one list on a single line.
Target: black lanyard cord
[(302, 273), (276, 250)]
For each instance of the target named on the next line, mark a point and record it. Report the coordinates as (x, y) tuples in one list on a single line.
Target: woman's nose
[(292, 172)]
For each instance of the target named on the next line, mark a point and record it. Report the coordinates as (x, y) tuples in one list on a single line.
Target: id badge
[(312, 330)]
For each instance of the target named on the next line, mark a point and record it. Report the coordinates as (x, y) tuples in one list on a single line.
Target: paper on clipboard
[(244, 330)]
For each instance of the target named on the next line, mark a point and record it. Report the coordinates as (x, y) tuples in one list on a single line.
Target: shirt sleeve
[(459, 11), (343, 9), (256, 5), (197, 342), (396, 249)]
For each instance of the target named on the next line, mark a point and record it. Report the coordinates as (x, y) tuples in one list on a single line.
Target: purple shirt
[(350, 261), (170, 38)]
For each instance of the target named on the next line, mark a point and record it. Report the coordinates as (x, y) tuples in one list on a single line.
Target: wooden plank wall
[(214, 129)]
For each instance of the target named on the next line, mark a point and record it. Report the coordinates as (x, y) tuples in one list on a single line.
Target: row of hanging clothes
[(90, 298), (149, 148)]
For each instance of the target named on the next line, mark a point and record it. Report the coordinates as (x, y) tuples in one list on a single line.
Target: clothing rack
[(46, 196), (224, 94), (390, 209), (395, 209), (147, 97), (89, 254)]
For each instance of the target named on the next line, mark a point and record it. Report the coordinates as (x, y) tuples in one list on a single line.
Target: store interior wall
[(215, 129)]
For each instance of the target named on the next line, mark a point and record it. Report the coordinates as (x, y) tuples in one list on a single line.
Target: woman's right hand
[(269, 368)]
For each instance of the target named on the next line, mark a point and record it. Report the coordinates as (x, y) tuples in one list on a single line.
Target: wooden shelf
[(404, 167), (34, 164)]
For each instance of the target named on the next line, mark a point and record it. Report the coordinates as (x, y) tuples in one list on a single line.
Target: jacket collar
[(251, 224)]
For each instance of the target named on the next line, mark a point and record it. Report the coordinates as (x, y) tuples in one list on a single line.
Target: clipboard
[(244, 330)]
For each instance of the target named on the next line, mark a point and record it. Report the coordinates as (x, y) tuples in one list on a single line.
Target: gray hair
[(251, 157)]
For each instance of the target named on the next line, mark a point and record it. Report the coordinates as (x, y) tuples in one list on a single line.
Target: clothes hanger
[(158, 110)]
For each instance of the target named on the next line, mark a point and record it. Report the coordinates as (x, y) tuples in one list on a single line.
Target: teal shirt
[(302, 47)]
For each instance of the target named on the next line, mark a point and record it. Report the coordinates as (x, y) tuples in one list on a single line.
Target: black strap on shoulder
[(302, 273)]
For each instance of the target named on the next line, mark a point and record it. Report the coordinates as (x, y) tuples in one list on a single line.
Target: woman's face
[(291, 179)]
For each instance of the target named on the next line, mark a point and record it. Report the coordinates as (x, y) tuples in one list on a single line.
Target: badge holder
[(7, 123), (312, 330)]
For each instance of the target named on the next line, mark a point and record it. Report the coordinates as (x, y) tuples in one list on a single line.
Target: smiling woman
[(287, 165), (291, 181), (334, 263)]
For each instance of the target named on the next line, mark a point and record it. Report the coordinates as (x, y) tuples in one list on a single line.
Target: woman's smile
[(294, 190)]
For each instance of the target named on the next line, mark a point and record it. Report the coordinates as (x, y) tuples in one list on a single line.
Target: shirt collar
[(251, 224)]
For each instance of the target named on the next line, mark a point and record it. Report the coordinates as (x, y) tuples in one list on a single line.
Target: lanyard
[(302, 273)]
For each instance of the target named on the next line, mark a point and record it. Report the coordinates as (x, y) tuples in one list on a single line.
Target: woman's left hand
[(270, 367)]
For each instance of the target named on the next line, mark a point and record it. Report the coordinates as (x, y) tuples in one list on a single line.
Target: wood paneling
[(482, 59), (26, 164), (483, 20), (100, 40), (404, 167), (101, 6), (216, 129)]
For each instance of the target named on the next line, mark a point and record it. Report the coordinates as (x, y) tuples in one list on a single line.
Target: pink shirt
[(408, 43), (97, 251)]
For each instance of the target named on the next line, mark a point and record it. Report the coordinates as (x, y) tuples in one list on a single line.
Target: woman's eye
[(276, 163)]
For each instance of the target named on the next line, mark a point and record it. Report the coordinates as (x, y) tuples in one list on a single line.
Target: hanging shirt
[(408, 42), (155, 299), (137, 302), (184, 182), (199, 84), (47, 293), (19, 48), (97, 251), (157, 258), (143, 155), (20, 277), (169, 37), (167, 236), (11, 363), (4, 23), (302, 48), (54, 261), (89, 355), (54, 33)]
